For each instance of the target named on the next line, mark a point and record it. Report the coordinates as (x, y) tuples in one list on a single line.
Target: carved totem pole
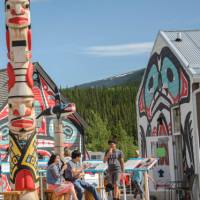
[(22, 123)]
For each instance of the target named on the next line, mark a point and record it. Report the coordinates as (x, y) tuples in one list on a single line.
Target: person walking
[(115, 159)]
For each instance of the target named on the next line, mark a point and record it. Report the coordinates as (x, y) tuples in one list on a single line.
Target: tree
[(124, 141), (97, 133), (106, 111)]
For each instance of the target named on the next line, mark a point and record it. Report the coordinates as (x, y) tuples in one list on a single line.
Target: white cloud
[(33, 1), (120, 50)]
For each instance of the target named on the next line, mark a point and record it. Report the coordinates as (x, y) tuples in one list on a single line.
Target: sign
[(160, 152)]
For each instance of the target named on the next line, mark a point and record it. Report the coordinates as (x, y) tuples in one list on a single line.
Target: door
[(162, 148)]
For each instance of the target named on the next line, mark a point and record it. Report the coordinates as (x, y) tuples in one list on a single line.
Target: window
[(176, 119)]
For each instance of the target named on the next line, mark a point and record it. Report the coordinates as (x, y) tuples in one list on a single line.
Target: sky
[(78, 41)]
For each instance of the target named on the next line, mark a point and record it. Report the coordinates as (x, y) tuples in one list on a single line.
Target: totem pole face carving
[(18, 35), (21, 115), (17, 13)]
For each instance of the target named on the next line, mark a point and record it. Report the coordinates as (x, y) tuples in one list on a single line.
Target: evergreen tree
[(107, 111), (97, 133)]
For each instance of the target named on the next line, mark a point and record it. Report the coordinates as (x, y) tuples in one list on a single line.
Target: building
[(168, 110), (44, 91)]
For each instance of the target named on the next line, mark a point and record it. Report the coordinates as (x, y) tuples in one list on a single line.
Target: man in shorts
[(115, 159)]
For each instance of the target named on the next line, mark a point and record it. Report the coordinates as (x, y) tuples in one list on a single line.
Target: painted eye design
[(8, 6), (151, 85), (5, 131), (15, 160), (170, 77), (27, 6)]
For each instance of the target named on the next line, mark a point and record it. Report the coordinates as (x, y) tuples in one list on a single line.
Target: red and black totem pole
[(22, 123)]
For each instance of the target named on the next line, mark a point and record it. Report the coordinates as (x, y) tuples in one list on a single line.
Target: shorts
[(114, 177)]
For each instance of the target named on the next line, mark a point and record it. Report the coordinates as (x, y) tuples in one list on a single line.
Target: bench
[(88, 195), (50, 195), (12, 195)]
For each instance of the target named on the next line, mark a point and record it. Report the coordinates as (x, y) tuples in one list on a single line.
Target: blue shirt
[(137, 177), (53, 174), (68, 172)]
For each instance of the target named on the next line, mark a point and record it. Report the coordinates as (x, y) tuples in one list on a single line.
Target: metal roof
[(188, 47)]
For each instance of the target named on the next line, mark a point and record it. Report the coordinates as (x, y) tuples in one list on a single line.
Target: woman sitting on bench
[(55, 181)]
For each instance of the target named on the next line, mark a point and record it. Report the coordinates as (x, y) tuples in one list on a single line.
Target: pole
[(146, 185), (22, 124), (124, 188), (1, 182), (59, 137)]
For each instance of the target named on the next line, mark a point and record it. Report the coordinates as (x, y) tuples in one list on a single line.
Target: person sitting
[(55, 181), (74, 173), (67, 155)]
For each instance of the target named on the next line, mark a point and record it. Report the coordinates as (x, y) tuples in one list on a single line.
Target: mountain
[(129, 78)]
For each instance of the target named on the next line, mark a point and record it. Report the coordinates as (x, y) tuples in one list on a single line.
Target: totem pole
[(22, 123), (60, 110)]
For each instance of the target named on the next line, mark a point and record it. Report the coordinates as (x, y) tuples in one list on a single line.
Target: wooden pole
[(59, 137), (146, 185)]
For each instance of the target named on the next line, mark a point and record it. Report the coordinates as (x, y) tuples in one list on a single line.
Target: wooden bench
[(12, 195), (50, 195), (88, 195)]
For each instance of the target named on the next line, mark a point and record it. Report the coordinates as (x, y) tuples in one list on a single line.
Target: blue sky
[(77, 41)]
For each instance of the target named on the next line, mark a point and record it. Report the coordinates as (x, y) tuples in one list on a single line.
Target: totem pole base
[(13, 195), (29, 195)]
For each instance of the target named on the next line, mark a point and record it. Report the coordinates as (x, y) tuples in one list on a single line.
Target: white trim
[(172, 117), (196, 133)]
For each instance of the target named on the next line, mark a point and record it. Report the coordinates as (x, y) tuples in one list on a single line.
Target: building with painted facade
[(168, 110), (44, 92)]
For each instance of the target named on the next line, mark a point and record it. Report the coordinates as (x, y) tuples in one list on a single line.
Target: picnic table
[(142, 165), (133, 164)]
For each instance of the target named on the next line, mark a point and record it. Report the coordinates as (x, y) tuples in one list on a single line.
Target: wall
[(165, 85)]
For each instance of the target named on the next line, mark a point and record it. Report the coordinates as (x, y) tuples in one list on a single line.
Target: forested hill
[(129, 78), (109, 112)]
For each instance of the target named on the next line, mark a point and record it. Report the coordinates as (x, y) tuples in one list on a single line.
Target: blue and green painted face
[(165, 78)]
